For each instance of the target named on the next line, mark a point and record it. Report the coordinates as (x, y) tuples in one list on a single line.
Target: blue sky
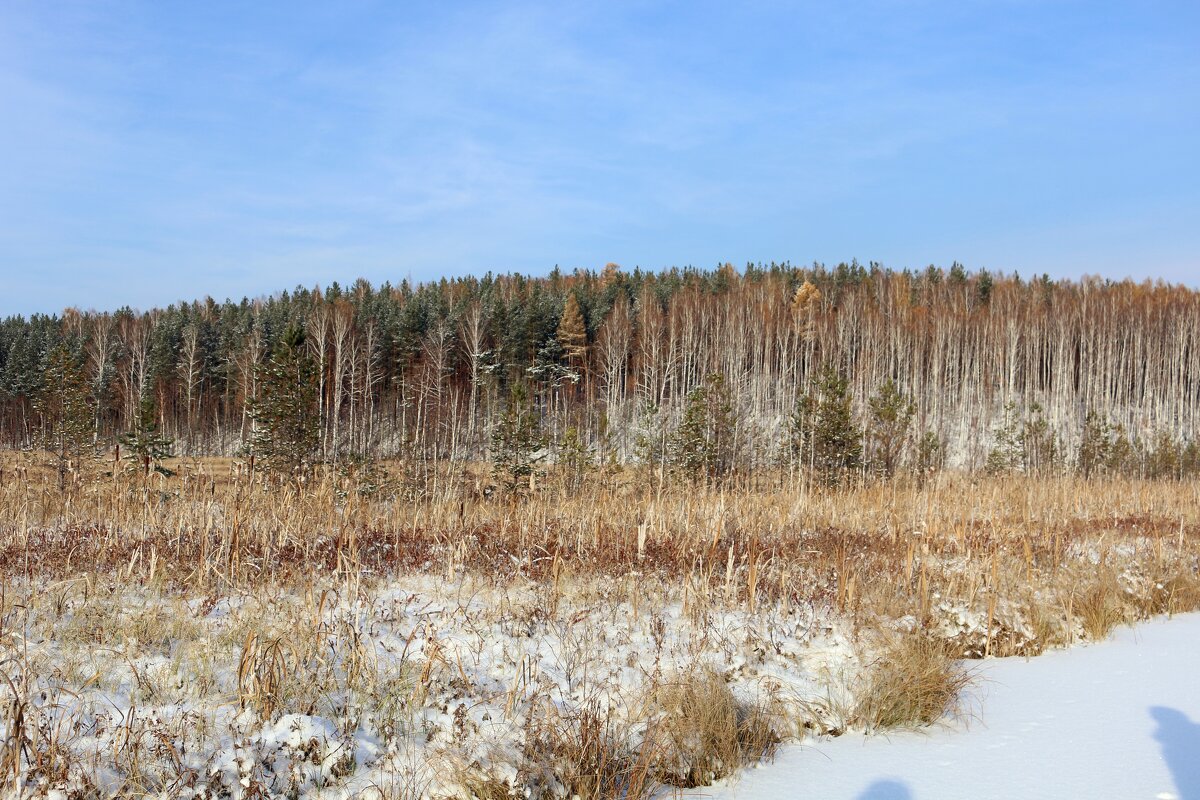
[(158, 151)]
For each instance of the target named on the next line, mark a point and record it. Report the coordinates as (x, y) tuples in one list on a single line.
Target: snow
[(1118, 719), (416, 684)]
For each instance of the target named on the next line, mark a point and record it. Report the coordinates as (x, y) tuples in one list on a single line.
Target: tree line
[(843, 371)]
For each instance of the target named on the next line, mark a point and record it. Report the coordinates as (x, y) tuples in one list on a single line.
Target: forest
[(850, 370), (602, 535)]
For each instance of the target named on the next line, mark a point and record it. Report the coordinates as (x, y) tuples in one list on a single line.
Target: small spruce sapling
[(891, 416), (1096, 446), (650, 442), (704, 446), (930, 456), (145, 445), (1039, 445), (517, 441), (825, 436), (1007, 453), (574, 458)]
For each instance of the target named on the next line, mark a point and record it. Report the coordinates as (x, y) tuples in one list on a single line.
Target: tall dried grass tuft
[(705, 733), (594, 754), (36, 748), (262, 673), (1100, 606), (1182, 591), (16, 745), (913, 682)]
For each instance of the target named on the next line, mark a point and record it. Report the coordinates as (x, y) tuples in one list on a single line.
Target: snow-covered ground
[(429, 686), (1118, 719), (420, 687)]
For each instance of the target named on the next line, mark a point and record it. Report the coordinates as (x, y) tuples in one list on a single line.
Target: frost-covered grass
[(449, 687), (202, 636)]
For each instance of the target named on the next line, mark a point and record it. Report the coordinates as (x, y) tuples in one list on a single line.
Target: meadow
[(395, 631)]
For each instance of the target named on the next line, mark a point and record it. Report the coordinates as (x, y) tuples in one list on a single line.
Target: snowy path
[(1119, 719)]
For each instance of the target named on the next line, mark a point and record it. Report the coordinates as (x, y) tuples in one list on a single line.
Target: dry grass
[(35, 750), (704, 731), (16, 745), (262, 673), (595, 755), (1180, 593), (147, 569), (913, 682), (881, 550), (1100, 606)]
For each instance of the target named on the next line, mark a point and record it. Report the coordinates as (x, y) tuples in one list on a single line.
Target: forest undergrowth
[(364, 633)]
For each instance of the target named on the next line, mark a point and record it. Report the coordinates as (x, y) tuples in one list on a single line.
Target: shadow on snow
[(886, 790), (1179, 738)]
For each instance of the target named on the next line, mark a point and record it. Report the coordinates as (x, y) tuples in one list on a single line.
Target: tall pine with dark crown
[(65, 410), (286, 426)]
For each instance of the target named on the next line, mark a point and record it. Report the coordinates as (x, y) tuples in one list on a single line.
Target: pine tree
[(984, 287), (145, 443), (930, 455), (1163, 457), (574, 457), (704, 444), (824, 434), (65, 411), (286, 426), (548, 369), (1007, 453), (1039, 445), (891, 416), (517, 441), (1096, 448), (650, 441)]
